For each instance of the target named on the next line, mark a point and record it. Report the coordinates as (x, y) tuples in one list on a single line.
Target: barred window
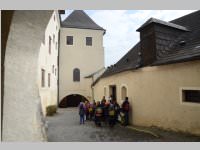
[(191, 96), (89, 41)]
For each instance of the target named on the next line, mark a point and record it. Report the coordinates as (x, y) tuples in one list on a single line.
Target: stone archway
[(72, 100), (23, 32)]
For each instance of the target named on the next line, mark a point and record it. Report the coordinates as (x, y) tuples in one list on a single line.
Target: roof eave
[(163, 23), (64, 26)]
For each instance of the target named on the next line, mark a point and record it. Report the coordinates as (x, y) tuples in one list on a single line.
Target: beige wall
[(46, 61), (155, 95), (88, 59)]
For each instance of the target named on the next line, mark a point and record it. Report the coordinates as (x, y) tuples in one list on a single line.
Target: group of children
[(106, 111)]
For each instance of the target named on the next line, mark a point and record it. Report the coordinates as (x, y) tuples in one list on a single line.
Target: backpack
[(81, 110), (111, 110), (90, 109), (99, 111), (126, 106)]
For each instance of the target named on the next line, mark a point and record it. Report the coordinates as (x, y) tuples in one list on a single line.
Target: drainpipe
[(58, 67), (92, 88)]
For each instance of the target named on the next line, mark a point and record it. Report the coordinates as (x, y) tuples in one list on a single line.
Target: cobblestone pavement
[(64, 127)]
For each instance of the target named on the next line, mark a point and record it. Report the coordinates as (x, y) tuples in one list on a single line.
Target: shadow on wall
[(6, 18), (72, 100)]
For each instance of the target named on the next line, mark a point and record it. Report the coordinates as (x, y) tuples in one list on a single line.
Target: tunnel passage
[(71, 101)]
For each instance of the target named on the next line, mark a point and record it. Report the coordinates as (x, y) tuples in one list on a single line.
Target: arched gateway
[(72, 100)]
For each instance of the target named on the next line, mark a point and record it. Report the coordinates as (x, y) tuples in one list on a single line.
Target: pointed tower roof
[(79, 19)]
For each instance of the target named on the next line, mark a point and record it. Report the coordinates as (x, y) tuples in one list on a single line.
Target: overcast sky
[(121, 26)]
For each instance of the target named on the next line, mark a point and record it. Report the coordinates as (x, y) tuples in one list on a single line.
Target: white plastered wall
[(46, 61)]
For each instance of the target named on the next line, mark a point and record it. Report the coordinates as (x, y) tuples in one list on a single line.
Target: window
[(69, 40), (89, 41), (43, 78), (76, 75), (49, 79), (43, 40), (53, 38), (192, 96), (56, 45), (49, 44), (53, 69)]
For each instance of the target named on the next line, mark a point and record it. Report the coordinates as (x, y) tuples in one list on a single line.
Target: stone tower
[(81, 54)]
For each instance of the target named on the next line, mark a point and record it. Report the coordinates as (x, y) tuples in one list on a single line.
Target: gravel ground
[(64, 127)]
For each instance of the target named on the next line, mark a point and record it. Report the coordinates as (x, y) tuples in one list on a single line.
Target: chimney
[(156, 37)]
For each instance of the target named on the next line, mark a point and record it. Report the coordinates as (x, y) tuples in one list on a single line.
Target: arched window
[(76, 75), (123, 92)]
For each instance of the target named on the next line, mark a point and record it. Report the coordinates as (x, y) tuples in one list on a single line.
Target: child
[(82, 112), (91, 111)]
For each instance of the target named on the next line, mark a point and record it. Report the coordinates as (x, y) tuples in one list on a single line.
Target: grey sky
[(121, 25)]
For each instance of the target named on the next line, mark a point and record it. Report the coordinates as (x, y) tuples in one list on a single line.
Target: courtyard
[(64, 127)]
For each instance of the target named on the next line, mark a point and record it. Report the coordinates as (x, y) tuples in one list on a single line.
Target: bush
[(51, 110)]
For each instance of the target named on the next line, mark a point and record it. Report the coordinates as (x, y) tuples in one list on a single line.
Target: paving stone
[(64, 127)]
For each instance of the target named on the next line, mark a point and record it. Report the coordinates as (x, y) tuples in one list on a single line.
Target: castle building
[(70, 53), (160, 75), (81, 54), (46, 61)]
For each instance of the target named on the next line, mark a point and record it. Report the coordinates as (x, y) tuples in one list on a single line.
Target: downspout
[(92, 88), (59, 15), (58, 67)]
